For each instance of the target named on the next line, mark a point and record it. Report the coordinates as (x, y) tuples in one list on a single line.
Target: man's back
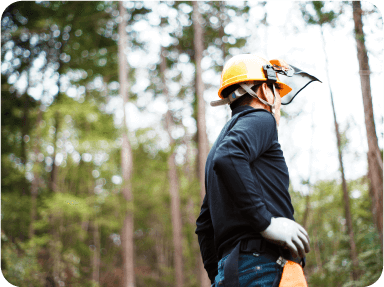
[(241, 204)]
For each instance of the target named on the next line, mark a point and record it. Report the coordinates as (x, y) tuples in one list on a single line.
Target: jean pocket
[(259, 275)]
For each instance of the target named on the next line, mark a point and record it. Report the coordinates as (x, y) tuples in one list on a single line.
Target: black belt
[(268, 249)]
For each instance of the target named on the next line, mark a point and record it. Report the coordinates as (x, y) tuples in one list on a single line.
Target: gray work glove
[(289, 234)]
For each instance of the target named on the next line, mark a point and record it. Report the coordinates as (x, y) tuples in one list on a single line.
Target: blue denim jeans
[(254, 270)]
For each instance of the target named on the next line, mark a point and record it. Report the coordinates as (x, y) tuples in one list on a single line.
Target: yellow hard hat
[(246, 68)]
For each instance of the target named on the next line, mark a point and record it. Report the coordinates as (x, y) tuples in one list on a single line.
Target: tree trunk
[(159, 249), (195, 242), (173, 185), (223, 50), (54, 171), (348, 216), (36, 177), (201, 128), (126, 158), (306, 212), (25, 128), (96, 253), (319, 263), (188, 166), (54, 251), (375, 160)]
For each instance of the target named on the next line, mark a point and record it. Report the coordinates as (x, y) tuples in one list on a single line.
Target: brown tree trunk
[(306, 212), (195, 242), (375, 160), (203, 147), (54, 251), (126, 158), (223, 50), (188, 166), (348, 216), (159, 249), (54, 171), (173, 185), (36, 177), (24, 129), (96, 253), (319, 263)]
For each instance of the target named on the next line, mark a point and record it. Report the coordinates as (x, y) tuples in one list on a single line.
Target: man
[(246, 229)]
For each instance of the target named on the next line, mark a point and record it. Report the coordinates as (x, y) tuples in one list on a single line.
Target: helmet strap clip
[(253, 94)]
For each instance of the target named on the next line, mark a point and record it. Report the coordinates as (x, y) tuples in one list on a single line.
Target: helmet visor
[(298, 81)]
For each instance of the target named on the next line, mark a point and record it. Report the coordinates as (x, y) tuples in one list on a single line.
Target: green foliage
[(317, 13), (328, 263), (20, 265), (15, 214)]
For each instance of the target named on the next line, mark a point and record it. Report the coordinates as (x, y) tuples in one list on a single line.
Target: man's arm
[(252, 135), (205, 235)]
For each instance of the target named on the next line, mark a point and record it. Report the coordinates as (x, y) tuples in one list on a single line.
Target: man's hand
[(289, 234)]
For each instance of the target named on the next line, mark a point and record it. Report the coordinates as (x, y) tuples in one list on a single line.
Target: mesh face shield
[(297, 80)]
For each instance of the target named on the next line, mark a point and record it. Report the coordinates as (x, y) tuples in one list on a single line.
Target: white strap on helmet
[(241, 91), (248, 89)]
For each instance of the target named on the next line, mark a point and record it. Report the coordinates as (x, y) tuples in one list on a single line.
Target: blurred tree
[(202, 139), (320, 18), (126, 156), (173, 182), (375, 160)]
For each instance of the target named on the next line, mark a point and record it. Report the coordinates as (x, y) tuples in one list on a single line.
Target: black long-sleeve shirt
[(246, 180)]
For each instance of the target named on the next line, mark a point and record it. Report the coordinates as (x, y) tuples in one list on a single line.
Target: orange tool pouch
[(293, 275)]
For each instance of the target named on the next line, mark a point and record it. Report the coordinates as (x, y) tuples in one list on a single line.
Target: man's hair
[(244, 100)]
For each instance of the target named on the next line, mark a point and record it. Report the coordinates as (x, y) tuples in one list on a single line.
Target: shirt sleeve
[(245, 142), (205, 235)]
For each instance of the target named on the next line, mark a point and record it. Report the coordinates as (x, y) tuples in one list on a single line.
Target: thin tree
[(375, 161), (126, 157), (173, 183), (346, 197), (201, 128), (36, 177), (320, 18), (95, 260)]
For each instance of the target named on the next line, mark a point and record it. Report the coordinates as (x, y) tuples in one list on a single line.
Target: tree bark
[(159, 249), (36, 177), (126, 158), (348, 216), (375, 160), (96, 253), (195, 244), (201, 128), (188, 166), (306, 212), (25, 128), (54, 171), (173, 185), (223, 49), (319, 263)]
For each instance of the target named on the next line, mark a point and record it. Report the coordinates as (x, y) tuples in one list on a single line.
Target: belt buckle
[(281, 261)]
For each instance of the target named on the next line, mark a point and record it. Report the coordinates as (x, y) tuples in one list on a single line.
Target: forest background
[(106, 123)]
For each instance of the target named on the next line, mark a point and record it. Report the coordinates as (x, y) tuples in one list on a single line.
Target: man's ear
[(263, 94)]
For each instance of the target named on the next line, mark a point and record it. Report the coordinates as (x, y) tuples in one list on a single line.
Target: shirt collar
[(240, 109)]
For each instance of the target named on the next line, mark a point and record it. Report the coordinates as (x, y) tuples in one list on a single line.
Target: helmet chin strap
[(253, 94)]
